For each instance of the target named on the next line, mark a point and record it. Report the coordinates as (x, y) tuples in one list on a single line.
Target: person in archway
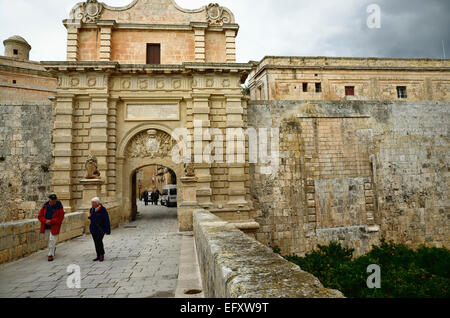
[(153, 195), (157, 195), (100, 225), (145, 195), (51, 217)]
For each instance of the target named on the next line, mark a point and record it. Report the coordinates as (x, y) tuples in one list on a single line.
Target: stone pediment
[(165, 12)]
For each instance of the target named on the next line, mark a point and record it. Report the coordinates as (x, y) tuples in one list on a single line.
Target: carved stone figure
[(189, 170), (91, 168)]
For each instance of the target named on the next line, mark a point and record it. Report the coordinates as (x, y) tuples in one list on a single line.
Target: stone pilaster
[(188, 204), (230, 37), (121, 196), (62, 179), (105, 39), (72, 42), (236, 171), (91, 189), (98, 138), (112, 146), (199, 38), (201, 119)]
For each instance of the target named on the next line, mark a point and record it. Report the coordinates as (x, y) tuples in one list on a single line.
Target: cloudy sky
[(409, 28)]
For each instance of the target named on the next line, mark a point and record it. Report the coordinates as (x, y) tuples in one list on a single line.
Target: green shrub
[(276, 250), (405, 273), (45, 168)]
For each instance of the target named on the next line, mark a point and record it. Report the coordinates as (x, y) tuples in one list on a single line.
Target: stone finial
[(91, 168)]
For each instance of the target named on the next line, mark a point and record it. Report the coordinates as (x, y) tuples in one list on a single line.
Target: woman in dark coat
[(145, 197), (100, 226)]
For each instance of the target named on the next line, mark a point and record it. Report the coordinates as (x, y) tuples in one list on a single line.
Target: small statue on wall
[(189, 170), (91, 168)]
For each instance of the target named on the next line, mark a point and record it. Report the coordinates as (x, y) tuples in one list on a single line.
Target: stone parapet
[(236, 266), (22, 238)]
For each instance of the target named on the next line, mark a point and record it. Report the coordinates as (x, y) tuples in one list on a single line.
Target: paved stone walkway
[(141, 261)]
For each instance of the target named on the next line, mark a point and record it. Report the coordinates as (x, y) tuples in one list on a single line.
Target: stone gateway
[(362, 143), (135, 74)]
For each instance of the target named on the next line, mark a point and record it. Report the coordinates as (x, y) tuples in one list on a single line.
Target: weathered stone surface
[(234, 265), (350, 167), (25, 158)]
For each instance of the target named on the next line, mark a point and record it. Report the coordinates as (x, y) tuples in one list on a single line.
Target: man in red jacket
[(51, 217)]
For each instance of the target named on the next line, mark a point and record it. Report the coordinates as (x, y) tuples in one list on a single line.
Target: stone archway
[(146, 146)]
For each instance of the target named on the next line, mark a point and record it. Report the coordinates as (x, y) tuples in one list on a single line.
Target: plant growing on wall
[(245, 91)]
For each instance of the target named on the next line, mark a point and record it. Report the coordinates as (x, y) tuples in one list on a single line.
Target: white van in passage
[(169, 196)]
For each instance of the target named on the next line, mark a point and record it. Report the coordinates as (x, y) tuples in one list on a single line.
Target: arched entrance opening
[(153, 186), (146, 164)]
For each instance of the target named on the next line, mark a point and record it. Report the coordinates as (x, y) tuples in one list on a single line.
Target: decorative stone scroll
[(150, 144)]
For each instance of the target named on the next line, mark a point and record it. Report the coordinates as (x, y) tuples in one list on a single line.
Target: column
[(230, 37), (98, 139), (61, 183)]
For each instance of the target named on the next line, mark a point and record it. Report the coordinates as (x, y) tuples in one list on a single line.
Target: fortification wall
[(354, 172)]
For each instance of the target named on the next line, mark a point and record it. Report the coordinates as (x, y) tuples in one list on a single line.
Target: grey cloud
[(410, 28)]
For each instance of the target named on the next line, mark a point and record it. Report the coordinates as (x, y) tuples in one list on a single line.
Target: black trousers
[(98, 241)]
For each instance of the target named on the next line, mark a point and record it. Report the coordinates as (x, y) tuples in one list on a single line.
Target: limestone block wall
[(25, 158), (354, 172), (21, 238), (114, 211), (234, 265)]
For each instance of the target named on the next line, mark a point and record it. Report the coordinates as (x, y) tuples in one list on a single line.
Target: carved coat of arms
[(216, 15), (150, 144), (88, 11)]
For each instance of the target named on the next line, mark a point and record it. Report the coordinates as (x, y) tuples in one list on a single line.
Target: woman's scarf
[(98, 208)]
